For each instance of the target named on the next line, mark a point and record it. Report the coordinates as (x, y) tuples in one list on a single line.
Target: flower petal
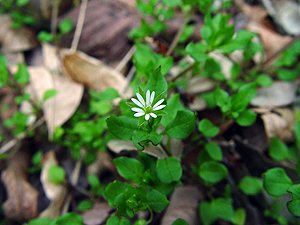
[(147, 98), (159, 107), (139, 114), (137, 102), (137, 110), (147, 116), (153, 115), (158, 103), (152, 97), (140, 98)]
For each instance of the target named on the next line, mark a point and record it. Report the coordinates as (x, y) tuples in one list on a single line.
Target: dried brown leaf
[(56, 193), (184, 203), (58, 109), (22, 201), (15, 39), (92, 72), (97, 215)]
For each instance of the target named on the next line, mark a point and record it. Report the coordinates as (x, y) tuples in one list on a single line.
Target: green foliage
[(85, 205), (276, 182), (278, 150), (179, 222), (65, 26), (57, 174), (22, 75), (168, 170), (294, 204), (208, 129), (49, 94), (68, 218), (251, 185), (212, 172)]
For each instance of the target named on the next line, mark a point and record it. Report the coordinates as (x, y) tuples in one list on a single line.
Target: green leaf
[(57, 174), (112, 190), (66, 26), (45, 36), (173, 106), (172, 3), (179, 222), (246, 118), (40, 221), (108, 95), (197, 51), (115, 220), (243, 97), (264, 80), (84, 205), (182, 126), (207, 128), (69, 218), (22, 75), (222, 99), (157, 201), (21, 3), (278, 150), (276, 182), (50, 93), (251, 185), (140, 138), (100, 107), (168, 170), (294, 205), (239, 217), (287, 74), (213, 172), (122, 127), (214, 151), (157, 83), (187, 32), (217, 208), (131, 169)]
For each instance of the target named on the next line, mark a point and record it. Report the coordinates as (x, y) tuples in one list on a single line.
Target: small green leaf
[(287, 74), (172, 3), (179, 222), (276, 182), (278, 150), (182, 126), (69, 218), (213, 172), (66, 26), (40, 221), (239, 217), (157, 201), (112, 190), (243, 97), (157, 83), (294, 205), (22, 75), (207, 128), (264, 80), (122, 127), (85, 205), (246, 118), (100, 107), (168, 170), (140, 138), (115, 220), (197, 51), (251, 185), (222, 99), (129, 168), (45, 36), (49, 94), (173, 106), (57, 174), (21, 3), (214, 151)]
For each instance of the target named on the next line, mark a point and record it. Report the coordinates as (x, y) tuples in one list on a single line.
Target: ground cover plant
[(196, 123)]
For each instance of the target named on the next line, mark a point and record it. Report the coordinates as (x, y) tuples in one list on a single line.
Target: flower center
[(148, 109)]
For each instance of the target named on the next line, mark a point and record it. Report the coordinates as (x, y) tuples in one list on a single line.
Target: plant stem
[(186, 69), (187, 18)]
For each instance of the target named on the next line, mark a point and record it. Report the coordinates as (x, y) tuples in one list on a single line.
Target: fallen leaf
[(22, 202), (103, 161), (58, 109), (281, 93), (92, 72), (56, 193), (184, 204), (279, 123), (15, 40), (97, 215), (51, 57)]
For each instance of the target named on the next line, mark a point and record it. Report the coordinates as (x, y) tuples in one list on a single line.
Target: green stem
[(187, 18), (151, 215), (186, 69)]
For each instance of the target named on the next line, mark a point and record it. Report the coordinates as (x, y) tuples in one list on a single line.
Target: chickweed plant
[(156, 115)]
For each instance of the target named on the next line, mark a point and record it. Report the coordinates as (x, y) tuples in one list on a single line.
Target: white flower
[(146, 107)]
